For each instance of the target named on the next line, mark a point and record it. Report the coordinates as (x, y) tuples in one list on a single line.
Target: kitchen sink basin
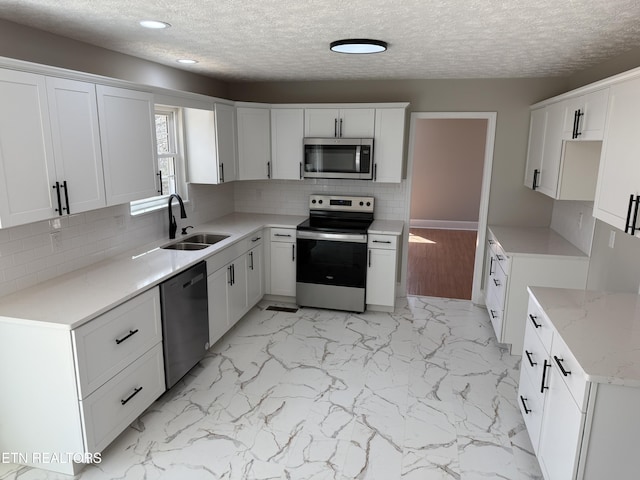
[(197, 241)]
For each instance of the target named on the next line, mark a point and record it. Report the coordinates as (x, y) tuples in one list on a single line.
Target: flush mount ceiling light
[(358, 45), (155, 24), (187, 61)]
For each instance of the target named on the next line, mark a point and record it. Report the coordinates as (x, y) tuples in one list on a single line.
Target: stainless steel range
[(331, 268)]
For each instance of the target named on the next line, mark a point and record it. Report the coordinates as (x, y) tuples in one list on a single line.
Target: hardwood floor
[(441, 262)]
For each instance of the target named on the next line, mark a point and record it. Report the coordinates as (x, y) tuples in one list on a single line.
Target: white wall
[(565, 220)]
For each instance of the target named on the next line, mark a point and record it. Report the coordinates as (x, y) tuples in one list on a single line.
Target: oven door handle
[(335, 237)]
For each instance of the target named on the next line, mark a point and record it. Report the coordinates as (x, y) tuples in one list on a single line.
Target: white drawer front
[(540, 323), (533, 356), (570, 372), (283, 235), (531, 403), (111, 408), (107, 344), (495, 314), (388, 242), (497, 284), (496, 249)]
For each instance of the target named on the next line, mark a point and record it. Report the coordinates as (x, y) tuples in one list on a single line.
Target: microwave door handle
[(358, 159)]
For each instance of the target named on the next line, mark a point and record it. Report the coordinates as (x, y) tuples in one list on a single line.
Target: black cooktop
[(351, 223)]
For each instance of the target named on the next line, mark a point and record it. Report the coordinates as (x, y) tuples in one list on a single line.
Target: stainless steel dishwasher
[(185, 321)]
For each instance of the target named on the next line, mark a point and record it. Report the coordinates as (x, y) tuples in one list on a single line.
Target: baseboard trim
[(443, 224)]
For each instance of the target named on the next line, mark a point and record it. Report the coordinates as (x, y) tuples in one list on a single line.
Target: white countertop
[(72, 299), (534, 241), (602, 330), (387, 227)]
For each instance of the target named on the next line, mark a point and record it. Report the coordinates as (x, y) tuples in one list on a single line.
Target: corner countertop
[(602, 330), (72, 299), (534, 241), (386, 227)]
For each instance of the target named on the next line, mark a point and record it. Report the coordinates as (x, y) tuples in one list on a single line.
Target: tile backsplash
[(574, 221), (36, 252)]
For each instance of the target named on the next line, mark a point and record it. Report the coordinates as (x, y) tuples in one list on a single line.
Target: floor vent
[(276, 308)]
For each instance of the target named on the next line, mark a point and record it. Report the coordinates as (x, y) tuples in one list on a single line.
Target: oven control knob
[(320, 202), (368, 204), (313, 201), (361, 204)]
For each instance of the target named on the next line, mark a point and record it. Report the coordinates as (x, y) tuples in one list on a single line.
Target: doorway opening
[(450, 160)]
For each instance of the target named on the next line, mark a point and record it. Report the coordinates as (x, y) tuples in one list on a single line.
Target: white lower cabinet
[(579, 429), (283, 262), (235, 284), (77, 390), (382, 258)]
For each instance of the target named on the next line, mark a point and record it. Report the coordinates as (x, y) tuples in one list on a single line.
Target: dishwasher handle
[(194, 280)]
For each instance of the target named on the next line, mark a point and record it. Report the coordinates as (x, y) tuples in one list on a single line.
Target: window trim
[(152, 204)]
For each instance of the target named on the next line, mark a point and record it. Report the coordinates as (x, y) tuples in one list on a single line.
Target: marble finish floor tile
[(424, 393)]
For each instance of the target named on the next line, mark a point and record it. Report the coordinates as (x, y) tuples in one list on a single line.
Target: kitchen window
[(169, 155)]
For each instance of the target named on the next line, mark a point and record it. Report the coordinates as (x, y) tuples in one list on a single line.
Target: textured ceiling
[(289, 39)]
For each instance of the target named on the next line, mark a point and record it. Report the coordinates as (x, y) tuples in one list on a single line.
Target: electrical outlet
[(56, 241), (612, 238), (580, 217), (55, 223)]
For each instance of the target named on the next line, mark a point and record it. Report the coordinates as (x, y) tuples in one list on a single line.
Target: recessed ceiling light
[(154, 24), (358, 45), (186, 61)]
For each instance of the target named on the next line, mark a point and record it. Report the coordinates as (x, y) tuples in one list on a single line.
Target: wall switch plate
[(612, 238), (55, 223)]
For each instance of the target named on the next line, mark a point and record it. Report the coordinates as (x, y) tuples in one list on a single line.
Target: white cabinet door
[(552, 151), (381, 277), (283, 268), (388, 145), (217, 284), (287, 134), (127, 136), (237, 290), (255, 276), (561, 434), (619, 174), (27, 170), (585, 116), (76, 143), (537, 127), (254, 143), (346, 122), (226, 141)]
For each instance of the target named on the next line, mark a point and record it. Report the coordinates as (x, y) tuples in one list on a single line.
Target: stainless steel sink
[(197, 241), (207, 238)]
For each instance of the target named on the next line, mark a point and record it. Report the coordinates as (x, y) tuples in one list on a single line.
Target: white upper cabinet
[(584, 116), (49, 148), (287, 134), (227, 153), (537, 128), (26, 150), (344, 122), (619, 175), (254, 143), (127, 130), (388, 145), (549, 170), (76, 144)]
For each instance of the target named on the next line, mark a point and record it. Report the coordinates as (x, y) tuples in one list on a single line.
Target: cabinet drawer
[(570, 371), (531, 403), (498, 252), (497, 284), (388, 242), (111, 408), (533, 356), (283, 235), (107, 344), (541, 325), (495, 314)]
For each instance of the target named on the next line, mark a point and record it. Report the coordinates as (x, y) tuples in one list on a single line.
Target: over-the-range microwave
[(350, 158)]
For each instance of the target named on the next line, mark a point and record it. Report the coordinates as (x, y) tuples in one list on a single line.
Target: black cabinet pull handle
[(282, 235), (575, 124), (491, 272), (222, 173), (493, 313), (496, 282), (159, 175), (531, 362), (251, 257), (626, 224), (268, 169), (579, 114), (382, 241), (300, 170), (559, 361), (66, 196), (129, 335), (544, 375), (230, 276), (634, 229), (233, 274), (135, 392), (526, 410), (375, 171), (500, 258), (256, 239), (335, 127), (533, 319), (56, 187), (341, 127), (536, 172), (293, 252), (369, 259)]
